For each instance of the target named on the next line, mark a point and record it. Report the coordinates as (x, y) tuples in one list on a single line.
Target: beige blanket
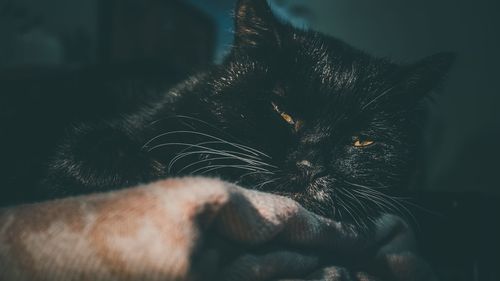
[(196, 229)]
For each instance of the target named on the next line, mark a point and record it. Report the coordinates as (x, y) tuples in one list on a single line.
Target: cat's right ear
[(428, 73), (255, 25)]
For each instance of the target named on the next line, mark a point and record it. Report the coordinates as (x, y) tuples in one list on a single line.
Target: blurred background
[(168, 39)]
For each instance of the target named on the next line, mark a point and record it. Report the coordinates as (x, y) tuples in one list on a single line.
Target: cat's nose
[(310, 170)]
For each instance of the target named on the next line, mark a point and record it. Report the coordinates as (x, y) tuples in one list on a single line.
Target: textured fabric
[(196, 229)]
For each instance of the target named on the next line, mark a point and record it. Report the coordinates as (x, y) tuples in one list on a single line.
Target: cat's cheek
[(362, 164)]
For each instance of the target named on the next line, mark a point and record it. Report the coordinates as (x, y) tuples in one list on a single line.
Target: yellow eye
[(362, 143), (287, 118)]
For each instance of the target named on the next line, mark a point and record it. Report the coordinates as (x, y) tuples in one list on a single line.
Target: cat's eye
[(362, 143), (288, 118), (296, 124), (285, 116)]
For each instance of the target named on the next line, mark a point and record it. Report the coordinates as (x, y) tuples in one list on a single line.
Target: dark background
[(461, 189)]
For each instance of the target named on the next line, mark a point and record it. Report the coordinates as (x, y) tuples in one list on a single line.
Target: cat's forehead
[(307, 64), (334, 66)]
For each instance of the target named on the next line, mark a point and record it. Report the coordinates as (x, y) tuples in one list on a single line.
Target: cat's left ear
[(255, 25), (414, 82), (423, 76)]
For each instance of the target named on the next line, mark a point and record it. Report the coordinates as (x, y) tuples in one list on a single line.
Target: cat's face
[(333, 126)]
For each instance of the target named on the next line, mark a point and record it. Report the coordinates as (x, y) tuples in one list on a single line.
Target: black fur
[(223, 122)]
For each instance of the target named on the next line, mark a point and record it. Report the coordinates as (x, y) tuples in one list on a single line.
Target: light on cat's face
[(287, 117), (362, 143), (298, 124)]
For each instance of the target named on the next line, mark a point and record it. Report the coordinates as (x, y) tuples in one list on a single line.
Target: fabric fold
[(195, 229)]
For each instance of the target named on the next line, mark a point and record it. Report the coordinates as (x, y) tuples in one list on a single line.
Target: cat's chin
[(322, 202), (321, 196)]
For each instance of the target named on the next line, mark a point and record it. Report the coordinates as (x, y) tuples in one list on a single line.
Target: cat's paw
[(100, 158)]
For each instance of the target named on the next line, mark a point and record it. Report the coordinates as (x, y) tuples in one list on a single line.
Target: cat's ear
[(427, 74), (255, 25), (413, 82)]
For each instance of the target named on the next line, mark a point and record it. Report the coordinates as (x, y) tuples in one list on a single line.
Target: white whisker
[(239, 146), (212, 168)]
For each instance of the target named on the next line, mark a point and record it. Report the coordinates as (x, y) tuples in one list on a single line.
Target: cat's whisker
[(261, 185), (201, 143), (333, 207), (379, 201), (358, 209), (234, 154), (198, 152), (203, 161), (365, 186), (420, 207), (381, 197), (394, 204), (183, 154), (207, 150), (373, 199), (408, 213), (350, 195), (384, 206), (236, 145), (244, 154), (254, 173), (212, 168), (381, 95), (384, 199), (223, 132), (344, 206), (219, 153), (252, 159), (356, 199)]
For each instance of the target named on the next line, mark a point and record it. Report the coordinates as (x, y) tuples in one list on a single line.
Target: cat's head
[(333, 126)]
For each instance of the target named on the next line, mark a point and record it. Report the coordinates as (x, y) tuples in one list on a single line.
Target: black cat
[(289, 111)]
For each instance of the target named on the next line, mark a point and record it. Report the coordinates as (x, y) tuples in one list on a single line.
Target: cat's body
[(289, 111), (39, 107)]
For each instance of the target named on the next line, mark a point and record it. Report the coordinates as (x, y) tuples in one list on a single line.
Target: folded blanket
[(197, 229)]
